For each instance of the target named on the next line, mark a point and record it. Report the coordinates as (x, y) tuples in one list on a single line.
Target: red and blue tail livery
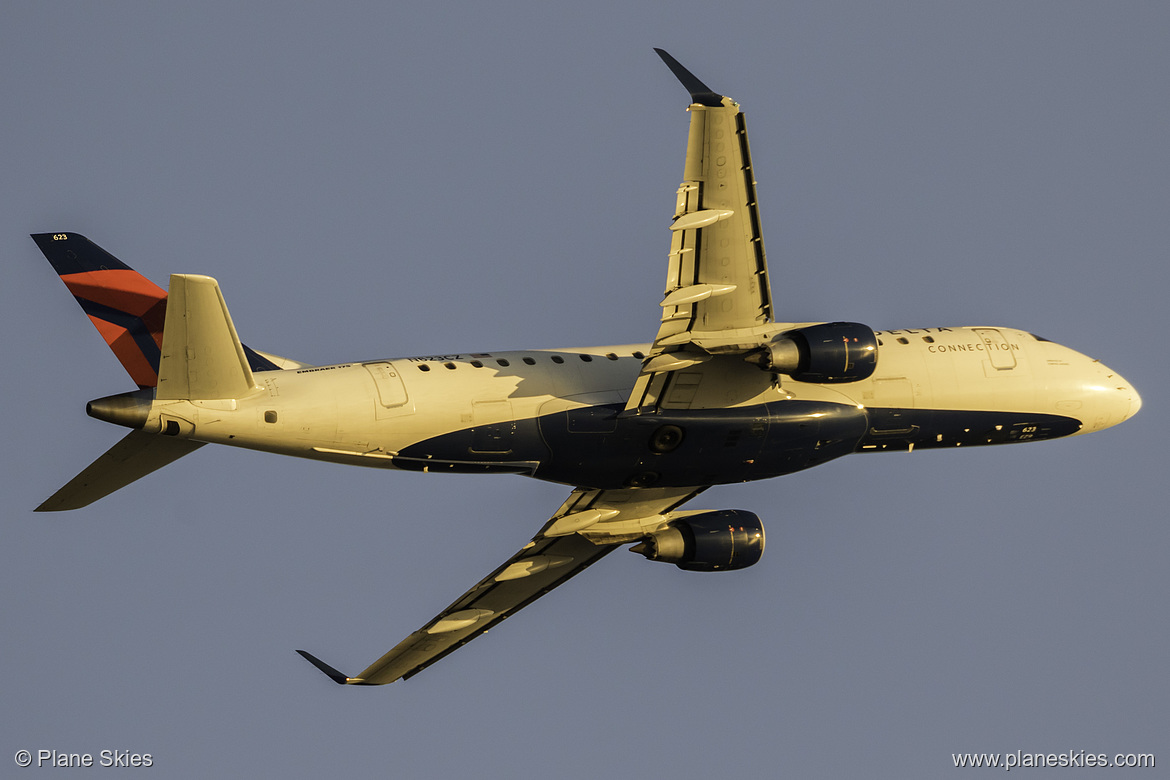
[(127, 308)]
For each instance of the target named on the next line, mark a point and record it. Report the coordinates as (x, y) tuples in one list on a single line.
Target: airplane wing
[(589, 525), (717, 297), (717, 306)]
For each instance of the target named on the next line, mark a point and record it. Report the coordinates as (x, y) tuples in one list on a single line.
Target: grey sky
[(369, 182)]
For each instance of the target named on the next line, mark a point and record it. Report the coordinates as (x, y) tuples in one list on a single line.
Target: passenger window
[(928, 339), (423, 367), (611, 356), (503, 362), (477, 364), (639, 355), (530, 361), (587, 358), (450, 366), (557, 359), (902, 340)]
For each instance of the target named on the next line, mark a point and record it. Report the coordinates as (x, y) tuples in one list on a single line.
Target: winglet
[(332, 673), (700, 92)]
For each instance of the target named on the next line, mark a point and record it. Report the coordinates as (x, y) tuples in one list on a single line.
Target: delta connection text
[(975, 346)]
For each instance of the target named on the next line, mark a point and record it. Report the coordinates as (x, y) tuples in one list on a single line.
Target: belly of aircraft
[(599, 446)]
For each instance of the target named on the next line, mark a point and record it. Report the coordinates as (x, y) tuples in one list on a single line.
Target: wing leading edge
[(587, 527)]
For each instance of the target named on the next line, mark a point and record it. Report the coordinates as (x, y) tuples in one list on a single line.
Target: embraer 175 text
[(723, 394)]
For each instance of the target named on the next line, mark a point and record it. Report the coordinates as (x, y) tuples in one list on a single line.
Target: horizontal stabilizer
[(132, 458), (202, 358)]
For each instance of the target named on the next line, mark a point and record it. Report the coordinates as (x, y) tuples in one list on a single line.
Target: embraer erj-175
[(723, 394)]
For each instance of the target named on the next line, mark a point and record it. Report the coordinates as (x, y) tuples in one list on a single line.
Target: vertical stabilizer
[(126, 307), (202, 358)]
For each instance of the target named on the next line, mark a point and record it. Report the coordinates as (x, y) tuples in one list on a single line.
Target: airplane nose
[(1089, 390), (1123, 400), (1135, 400)]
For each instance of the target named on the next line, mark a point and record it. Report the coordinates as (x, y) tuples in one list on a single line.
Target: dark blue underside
[(601, 447)]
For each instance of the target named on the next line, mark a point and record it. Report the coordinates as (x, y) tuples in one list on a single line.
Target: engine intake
[(832, 352), (711, 541)]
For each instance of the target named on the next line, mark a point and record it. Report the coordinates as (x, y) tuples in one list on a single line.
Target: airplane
[(724, 393)]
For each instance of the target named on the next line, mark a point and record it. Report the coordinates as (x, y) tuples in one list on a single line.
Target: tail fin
[(188, 350), (201, 359), (127, 308)]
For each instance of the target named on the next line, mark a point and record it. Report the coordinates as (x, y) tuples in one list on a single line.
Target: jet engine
[(709, 541), (831, 352)]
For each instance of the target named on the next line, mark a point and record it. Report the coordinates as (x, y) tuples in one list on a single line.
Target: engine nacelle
[(832, 352), (711, 541)]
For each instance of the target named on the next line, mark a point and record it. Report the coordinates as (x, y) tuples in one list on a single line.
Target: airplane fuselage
[(558, 415)]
